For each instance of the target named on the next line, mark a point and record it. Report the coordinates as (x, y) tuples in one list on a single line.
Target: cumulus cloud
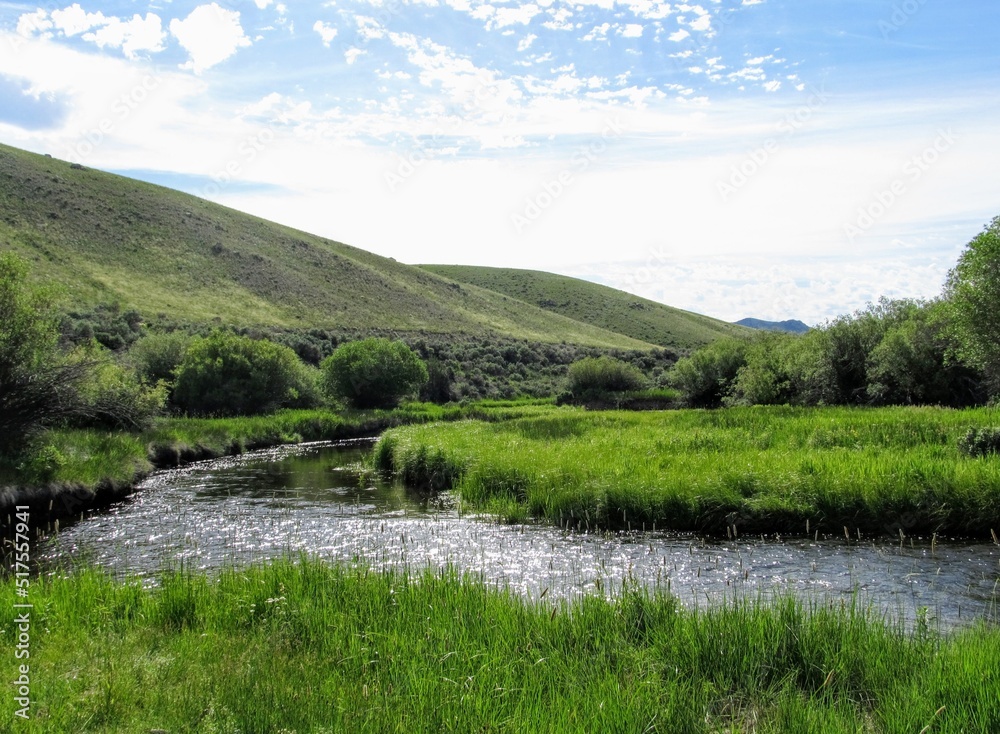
[(210, 34), (631, 30), (36, 23), (326, 32), (131, 36), (74, 19)]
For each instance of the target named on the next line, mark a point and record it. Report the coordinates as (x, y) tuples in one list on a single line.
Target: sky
[(767, 158)]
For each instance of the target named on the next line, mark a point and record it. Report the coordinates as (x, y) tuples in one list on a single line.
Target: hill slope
[(106, 238), (595, 304)]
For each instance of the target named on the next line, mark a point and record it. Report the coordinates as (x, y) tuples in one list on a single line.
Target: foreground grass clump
[(310, 648), (759, 470)]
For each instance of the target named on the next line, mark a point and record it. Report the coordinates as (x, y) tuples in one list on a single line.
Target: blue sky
[(771, 158)]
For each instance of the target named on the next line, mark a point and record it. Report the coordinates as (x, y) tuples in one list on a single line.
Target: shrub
[(980, 442), (157, 356), (226, 374), (707, 376), (112, 395), (604, 374), (372, 373), (38, 385)]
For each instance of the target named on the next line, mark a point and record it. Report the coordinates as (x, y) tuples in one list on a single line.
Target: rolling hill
[(595, 304), (109, 239)]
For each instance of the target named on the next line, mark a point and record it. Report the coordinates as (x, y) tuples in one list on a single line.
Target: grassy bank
[(310, 648), (71, 471), (760, 470)]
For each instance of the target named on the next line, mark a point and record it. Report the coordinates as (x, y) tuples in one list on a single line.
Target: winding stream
[(311, 498)]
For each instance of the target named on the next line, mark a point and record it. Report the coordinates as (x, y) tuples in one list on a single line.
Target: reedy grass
[(306, 647), (70, 471), (749, 470)]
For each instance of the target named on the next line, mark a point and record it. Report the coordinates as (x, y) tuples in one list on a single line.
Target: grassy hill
[(109, 239), (595, 304)]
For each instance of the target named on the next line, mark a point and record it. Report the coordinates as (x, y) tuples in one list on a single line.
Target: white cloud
[(36, 23), (772, 86), (560, 20), (369, 28), (326, 32), (679, 35), (701, 23), (210, 34), (131, 36), (261, 4), (522, 14), (74, 19), (598, 33), (525, 43), (631, 30), (351, 55)]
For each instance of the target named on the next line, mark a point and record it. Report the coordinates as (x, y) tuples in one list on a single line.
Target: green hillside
[(595, 304), (105, 238)]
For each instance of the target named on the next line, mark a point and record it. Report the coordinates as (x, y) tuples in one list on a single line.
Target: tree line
[(894, 352)]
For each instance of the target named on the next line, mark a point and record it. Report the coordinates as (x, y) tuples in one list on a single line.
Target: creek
[(316, 499)]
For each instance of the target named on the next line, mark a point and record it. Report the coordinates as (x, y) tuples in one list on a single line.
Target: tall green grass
[(749, 470), (70, 471), (303, 647)]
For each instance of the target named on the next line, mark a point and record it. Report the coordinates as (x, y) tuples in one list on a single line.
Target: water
[(313, 498)]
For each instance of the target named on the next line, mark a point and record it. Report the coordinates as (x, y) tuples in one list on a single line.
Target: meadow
[(759, 470), (300, 646)]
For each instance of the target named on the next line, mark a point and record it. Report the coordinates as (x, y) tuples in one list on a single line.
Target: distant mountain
[(793, 326), (594, 304)]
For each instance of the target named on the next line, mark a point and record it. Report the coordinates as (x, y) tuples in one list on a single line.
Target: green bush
[(226, 374), (373, 373), (157, 356), (113, 395), (604, 374), (707, 376), (38, 384), (980, 442)]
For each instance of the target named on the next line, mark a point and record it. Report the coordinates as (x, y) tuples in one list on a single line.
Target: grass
[(109, 239), (71, 471), (304, 647), (595, 304), (744, 470)]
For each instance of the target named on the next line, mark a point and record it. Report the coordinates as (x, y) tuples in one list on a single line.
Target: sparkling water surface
[(314, 498)]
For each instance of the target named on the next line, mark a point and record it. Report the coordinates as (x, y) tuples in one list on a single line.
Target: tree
[(973, 290), (707, 376), (39, 385), (227, 374), (373, 373)]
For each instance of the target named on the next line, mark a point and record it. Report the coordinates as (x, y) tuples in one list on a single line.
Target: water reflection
[(314, 498)]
